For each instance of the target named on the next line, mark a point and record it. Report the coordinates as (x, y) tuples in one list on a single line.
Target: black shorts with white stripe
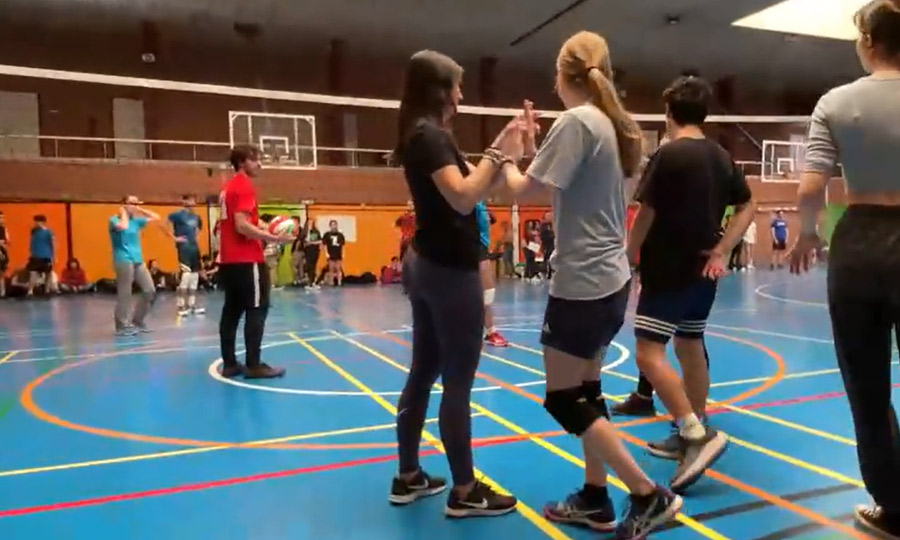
[(681, 312), (245, 284)]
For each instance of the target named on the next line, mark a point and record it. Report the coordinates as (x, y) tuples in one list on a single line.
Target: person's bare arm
[(246, 228), (639, 229), (463, 193), (122, 224), (147, 213), (811, 201)]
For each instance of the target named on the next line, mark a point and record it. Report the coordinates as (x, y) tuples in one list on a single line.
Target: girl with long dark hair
[(858, 125), (441, 275)]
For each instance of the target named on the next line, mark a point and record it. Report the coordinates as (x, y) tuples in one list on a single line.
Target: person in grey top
[(858, 125), (584, 160)]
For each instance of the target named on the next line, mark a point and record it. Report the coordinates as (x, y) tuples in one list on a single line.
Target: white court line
[(213, 371), (760, 292), (773, 334)]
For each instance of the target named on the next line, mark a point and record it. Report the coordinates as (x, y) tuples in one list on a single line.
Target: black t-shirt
[(689, 183), (2, 239), (443, 235), (334, 244)]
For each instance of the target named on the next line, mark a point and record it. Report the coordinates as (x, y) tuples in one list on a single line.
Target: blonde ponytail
[(628, 132)]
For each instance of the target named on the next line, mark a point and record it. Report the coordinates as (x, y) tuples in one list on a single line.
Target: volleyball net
[(196, 122)]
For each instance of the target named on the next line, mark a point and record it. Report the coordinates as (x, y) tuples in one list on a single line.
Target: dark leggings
[(312, 261), (645, 387), (864, 302), (448, 319)]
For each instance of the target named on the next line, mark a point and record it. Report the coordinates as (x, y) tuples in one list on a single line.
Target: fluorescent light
[(821, 18)]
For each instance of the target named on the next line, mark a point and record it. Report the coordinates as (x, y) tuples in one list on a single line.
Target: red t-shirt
[(407, 225), (238, 196)]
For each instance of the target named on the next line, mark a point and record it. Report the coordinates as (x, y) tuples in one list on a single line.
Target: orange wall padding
[(91, 243), (19, 222)]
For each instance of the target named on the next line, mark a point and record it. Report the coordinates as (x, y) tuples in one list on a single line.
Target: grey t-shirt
[(579, 159), (858, 125)]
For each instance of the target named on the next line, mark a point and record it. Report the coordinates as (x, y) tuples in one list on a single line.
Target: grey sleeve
[(561, 154), (821, 150)]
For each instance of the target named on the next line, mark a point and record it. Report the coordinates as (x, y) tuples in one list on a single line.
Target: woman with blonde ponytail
[(583, 163)]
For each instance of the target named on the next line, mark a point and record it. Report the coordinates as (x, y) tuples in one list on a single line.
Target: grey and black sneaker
[(697, 456), (421, 485), (127, 331), (635, 405), (482, 501), (578, 509), (670, 448), (874, 519), (644, 514), (666, 449)]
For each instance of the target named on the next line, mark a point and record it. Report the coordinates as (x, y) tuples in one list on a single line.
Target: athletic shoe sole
[(662, 454), (582, 522), (673, 508), (399, 500), (711, 453), (864, 523), (459, 513)]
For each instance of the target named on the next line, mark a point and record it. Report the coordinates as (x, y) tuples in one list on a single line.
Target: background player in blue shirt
[(780, 237), (185, 227), (483, 217)]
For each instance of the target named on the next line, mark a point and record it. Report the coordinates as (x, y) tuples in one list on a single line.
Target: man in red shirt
[(242, 270)]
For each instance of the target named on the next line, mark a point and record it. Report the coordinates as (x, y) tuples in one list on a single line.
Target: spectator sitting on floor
[(74, 280), (163, 281), (209, 273), (19, 283), (392, 273)]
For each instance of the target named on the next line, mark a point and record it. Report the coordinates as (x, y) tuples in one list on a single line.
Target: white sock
[(490, 331), (192, 300), (690, 427), (180, 301)]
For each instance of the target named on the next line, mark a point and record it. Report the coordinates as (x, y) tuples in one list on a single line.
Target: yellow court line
[(190, 451), (788, 424), (527, 512), (6, 358), (552, 448)]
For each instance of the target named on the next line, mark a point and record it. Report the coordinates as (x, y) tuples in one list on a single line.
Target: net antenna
[(285, 141)]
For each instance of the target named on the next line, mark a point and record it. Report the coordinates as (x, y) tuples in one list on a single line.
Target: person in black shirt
[(334, 245), (686, 188), (440, 272)]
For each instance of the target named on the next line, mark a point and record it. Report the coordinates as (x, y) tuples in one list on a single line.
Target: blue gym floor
[(139, 438)]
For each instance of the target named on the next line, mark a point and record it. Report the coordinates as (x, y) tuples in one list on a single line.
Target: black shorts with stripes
[(679, 312), (245, 284)]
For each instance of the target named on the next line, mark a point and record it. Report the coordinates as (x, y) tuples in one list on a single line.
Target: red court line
[(791, 401), (200, 486)]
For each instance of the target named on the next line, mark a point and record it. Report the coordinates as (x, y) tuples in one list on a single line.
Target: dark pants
[(864, 302), (312, 261), (246, 287), (448, 320)]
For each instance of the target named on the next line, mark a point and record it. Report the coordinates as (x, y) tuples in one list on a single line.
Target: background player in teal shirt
[(484, 219), (185, 227), (128, 260)]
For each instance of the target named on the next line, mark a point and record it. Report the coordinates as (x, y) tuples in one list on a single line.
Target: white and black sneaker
[(421, 485), (482, 501), (697, 456), (874, 519)]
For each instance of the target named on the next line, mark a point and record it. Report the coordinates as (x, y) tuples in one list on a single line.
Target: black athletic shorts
[(779, 246), (189, 259), (4, 260), (41, 266), (680, 312), (484, 254), (245, 284), (335, 255), (584, 328)]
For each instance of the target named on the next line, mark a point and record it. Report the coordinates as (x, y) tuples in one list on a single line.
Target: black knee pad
[(570, 408), (594, 396)]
